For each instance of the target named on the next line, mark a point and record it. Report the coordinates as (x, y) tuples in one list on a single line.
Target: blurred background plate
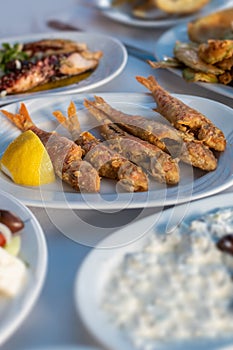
[(120, 14), (164, 47), (33, 252)]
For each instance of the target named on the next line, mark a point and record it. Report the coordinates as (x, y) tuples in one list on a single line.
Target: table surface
[(53, 320)]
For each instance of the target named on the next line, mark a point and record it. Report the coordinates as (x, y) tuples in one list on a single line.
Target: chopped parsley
[(9, 53)]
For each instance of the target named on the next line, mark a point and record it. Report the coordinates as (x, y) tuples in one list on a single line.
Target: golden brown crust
[(65, 155), (183, 7), (112, 165), (109, 164), (217, 25), (159, 164), (162, 135), (215, 51), (185, 118)]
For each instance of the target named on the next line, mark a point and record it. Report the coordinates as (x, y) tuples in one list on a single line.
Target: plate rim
[(9, 99), (181, 30), (41, 271), (105, 256), (139, 199), (156, 23)]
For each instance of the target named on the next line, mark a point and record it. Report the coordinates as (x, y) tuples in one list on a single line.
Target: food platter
[(106, 257), (34, 252), (193, 184), (159, 18), (107, 69), (164, 48)]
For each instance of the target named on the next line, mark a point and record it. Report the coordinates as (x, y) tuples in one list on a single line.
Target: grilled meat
[(29, 75), (47, 47), (47, 60)]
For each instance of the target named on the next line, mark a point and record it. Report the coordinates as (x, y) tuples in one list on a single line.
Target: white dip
[(175, 287)]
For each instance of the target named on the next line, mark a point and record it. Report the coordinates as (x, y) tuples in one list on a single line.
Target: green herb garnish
[(10, 53)]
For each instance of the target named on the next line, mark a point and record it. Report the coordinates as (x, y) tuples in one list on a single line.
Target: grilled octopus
[(47, 60)]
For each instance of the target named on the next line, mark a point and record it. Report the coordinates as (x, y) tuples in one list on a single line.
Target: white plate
[(164, 48), (64, 347), (160, 19), (193, 184), (89, 287), (109, 67), (34, 253)]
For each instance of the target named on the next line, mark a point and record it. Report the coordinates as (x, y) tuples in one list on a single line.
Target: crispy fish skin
[(159, 134), (64, 154), (183, 117), (203, 158), (107, 162), (159, 164), (112, 165), (197, 154)]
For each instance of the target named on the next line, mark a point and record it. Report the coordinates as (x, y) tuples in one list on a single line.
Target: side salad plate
[(154, 18), (33, 253)]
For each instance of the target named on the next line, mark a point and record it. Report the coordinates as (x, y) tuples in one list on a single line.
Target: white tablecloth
[(54, 319)]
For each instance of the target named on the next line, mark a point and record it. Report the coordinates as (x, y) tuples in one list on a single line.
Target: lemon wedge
[(27, 162)]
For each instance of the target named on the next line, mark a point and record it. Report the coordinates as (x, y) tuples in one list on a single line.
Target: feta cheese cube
[(13, 274)]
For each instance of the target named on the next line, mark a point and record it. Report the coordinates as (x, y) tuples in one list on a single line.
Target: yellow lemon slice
[(27, 162)]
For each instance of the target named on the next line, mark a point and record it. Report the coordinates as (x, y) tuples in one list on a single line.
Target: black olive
[(225, 244), (13, 222)]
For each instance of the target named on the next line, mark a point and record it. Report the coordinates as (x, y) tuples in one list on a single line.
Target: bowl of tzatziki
[(169, 288)]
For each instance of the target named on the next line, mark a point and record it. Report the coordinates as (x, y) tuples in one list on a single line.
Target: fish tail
[(107, 128), (98, 114), (150, 83), (91, 106), (71, 122), (71, 109), (99, 99), (22, 119), (60, 118)]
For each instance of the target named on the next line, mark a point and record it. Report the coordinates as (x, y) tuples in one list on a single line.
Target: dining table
[(54, 319)]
